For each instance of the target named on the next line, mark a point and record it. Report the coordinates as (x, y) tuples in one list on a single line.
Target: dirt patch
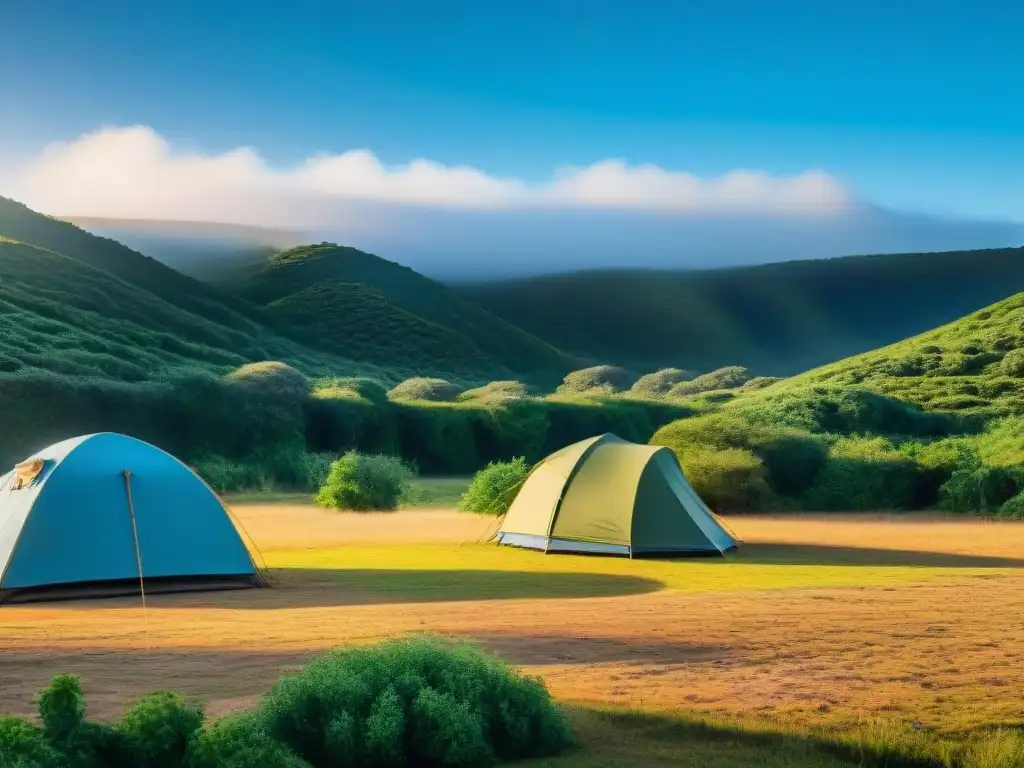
[(945, 652)]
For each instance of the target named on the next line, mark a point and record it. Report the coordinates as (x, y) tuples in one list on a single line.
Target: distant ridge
[(777, 319)]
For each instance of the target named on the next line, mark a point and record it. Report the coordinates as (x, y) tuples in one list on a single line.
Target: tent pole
[(138, 551)]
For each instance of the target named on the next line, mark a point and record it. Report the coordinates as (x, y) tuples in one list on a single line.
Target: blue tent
[(95, 515)]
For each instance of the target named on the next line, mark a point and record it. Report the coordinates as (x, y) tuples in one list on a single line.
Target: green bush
[(433, 390), (415, 701), (759, 382), (605, 379), (493, 488), (360, 482), (239, 741), (791, 458), (1013, 363), (158, 729), (23, 745), (659, 383), (271, 378), (730, 377), (849, 411), (728, 480), (227, 476), (495, 392), (863, 474), (980, 489), (1013, 508)]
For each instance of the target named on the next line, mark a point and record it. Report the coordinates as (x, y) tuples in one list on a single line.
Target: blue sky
[(913, 105)]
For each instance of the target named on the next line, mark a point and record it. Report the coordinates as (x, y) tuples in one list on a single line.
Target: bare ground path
[(912, 617)]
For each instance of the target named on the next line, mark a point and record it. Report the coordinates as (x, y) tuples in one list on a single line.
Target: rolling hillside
[(80, 304), (776, 319), (62, 315), (397, 288), (975, 363)]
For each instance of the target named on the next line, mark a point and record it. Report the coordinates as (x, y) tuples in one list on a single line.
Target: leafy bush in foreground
[(23, 745), (158, 729), (493, 488), (360, 482), (419, 701), (239, 741)]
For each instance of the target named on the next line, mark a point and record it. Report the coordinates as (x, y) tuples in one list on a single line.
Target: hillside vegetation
[(975, 364), (395, 297), (61, 315), (776, 319), (936, 420)]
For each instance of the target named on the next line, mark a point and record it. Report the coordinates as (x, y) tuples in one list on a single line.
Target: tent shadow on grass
[(302, 588), (815, 554)]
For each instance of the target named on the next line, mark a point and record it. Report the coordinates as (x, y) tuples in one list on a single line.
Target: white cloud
[(132, 172)]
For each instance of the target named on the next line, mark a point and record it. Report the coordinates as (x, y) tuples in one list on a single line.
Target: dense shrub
[(659, 383), (791, 458), (417, 701), (1013, 363), (759, 382), (730, 377), (23, 745), (360, 482), (848, 411), (863, 474), (227, 476), (606, 379), (728, 480), (240, 741), (271, 378), (493, 488), (433, 390), (980, 488), (495, 392), (158, 729), (1013, 508)]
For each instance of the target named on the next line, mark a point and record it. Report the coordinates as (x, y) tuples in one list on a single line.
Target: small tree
[(360, 482), (494, 487)]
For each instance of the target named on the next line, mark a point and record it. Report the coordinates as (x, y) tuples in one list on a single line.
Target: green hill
[(62, 315), (300, 269), (974, 364), (358, 321), (776, 319)]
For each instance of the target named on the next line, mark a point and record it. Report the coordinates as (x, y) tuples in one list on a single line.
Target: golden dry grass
[(819, 619)]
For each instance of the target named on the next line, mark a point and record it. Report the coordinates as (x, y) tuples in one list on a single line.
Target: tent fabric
[(607, 495), (70, 525)]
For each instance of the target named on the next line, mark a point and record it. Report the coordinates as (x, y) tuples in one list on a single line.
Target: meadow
[(822, 640)]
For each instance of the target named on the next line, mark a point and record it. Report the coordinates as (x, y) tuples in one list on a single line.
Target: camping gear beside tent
[(605, 495), (95, 514)]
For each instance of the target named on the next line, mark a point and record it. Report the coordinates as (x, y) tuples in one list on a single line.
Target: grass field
[(817, 628)]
